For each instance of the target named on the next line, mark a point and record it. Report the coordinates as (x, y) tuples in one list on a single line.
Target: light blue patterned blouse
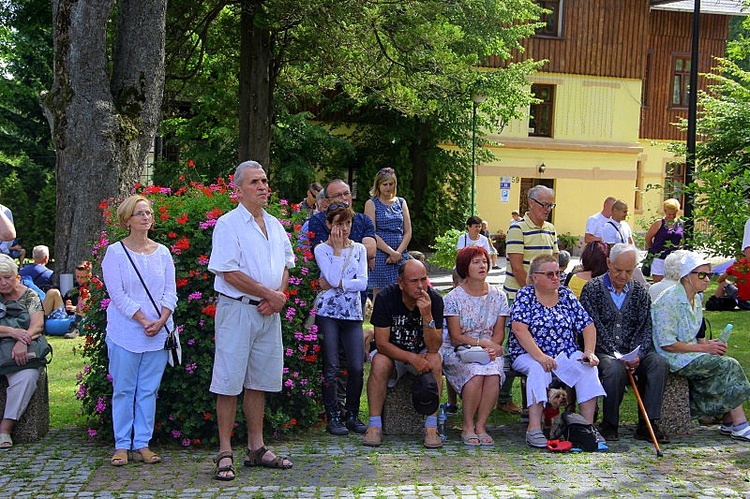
[(675, 320)]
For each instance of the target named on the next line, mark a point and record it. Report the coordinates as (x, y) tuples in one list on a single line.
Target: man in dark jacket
[(621, 310)]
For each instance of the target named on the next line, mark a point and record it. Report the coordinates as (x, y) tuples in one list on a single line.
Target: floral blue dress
[(555, 329), (477, 315), (389, 225)]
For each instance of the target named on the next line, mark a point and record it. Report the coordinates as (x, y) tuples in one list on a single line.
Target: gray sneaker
[(536, 438)]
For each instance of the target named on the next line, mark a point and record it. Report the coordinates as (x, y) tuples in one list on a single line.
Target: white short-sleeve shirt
[(239, 244)]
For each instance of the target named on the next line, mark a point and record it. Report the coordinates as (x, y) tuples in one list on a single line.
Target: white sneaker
[(743, 434)]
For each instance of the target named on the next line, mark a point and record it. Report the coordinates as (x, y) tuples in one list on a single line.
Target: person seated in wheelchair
[(621, 310), (546, 320)]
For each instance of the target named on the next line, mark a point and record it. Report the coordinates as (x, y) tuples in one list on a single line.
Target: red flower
[(183, 219), (209, 310), (181, 282), (191, 163), (214, 214), (103, 205), (182, 243), (172, 235)]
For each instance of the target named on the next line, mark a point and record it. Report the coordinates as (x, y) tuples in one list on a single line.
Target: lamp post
[(475, 99)]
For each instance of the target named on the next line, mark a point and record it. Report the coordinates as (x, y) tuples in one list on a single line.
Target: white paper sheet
[(628, 357)]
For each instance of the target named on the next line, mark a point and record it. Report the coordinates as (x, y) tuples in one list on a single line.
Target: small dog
[(557, 398)]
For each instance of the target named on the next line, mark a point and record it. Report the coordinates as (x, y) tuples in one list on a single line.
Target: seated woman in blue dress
[(546, 320)]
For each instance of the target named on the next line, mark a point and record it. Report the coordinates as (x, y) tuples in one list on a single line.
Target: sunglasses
[(552, 274), (336, 206), (546, 206), (702, 275), (383, 171)]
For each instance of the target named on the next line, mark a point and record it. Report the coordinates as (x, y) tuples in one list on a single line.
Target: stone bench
[(399, 416), (34, 424), (675, 407)]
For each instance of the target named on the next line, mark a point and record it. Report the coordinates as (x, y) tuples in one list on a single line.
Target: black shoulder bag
[(172, 343)]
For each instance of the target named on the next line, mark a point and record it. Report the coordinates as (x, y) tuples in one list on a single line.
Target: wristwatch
[(430, 324)]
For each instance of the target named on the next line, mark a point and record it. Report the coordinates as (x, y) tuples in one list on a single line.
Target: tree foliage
[(722, 186)]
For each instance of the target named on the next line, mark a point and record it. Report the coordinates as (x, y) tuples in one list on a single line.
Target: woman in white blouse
[(343, 265), (135, 329)]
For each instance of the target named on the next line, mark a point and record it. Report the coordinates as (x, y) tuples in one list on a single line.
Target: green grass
[(65, 407)]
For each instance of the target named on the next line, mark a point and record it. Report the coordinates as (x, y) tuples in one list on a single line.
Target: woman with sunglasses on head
[(718, 385), (343, 264), (546, 320), (390, 214), (135, 330)]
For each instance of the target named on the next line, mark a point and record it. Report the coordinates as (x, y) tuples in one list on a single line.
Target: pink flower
[(289, 352), (101, 405), (92, 432), (289, 383), (195, 296), (104, 303), (176, 433), (186, 442)]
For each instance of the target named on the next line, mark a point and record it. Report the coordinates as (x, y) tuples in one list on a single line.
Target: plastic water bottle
[(726, 333), (441, 420)]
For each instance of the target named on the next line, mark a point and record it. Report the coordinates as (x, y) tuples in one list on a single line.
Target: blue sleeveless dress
[(389, 225)]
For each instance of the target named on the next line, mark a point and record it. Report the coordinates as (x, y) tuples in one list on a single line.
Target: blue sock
[(740, 426), (431, 422), (727, 424), (376, 421)]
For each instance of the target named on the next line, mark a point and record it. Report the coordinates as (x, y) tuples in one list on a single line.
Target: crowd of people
[(476, 336)]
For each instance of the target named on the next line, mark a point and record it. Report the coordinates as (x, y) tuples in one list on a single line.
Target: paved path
[(706, 464)]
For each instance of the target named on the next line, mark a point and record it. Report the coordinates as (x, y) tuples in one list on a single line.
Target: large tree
[(103, 108)]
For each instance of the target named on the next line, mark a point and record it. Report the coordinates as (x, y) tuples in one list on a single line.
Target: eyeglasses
[(340, 195), (337, 206), (552, 274), (145, 213), (546, 206), (702, 275)]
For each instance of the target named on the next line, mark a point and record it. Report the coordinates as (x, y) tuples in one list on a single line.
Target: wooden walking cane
[(644, 413)]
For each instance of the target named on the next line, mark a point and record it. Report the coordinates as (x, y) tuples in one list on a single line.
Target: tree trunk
[(256, 85), (102, 125)]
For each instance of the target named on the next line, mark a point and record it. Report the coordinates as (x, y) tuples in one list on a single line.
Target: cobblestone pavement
[(705, 464)]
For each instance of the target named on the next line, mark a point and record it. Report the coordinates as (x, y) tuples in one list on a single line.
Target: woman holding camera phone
[(475, 312)]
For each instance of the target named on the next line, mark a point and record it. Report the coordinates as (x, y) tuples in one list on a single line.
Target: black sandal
[(255, 458), (227, 454)]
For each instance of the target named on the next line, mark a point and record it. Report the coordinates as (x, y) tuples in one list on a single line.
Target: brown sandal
[(227, 454), (255, 458), (145, 455), (119, 458)]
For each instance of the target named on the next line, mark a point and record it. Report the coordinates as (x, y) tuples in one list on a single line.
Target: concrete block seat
[(399, 416), (34, 424)]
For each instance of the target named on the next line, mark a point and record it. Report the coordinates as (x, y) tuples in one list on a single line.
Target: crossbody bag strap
[(138, 273), (622, 238)]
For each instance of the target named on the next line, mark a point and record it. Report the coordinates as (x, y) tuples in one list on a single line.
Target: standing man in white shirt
[(250, 257), (596, 221), (617, 230)]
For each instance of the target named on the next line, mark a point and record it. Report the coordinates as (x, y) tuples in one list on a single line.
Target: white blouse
[(127, 295)]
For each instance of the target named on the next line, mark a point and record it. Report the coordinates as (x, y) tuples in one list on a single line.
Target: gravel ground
[(704, 464)]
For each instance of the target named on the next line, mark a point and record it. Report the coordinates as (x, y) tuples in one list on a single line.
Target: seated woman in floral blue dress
[(476, 312), (546, 321)]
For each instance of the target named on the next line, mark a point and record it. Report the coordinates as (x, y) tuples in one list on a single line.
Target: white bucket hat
[(690, 262)]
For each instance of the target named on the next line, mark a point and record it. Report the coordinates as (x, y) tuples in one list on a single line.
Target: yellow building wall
[(594, 153)]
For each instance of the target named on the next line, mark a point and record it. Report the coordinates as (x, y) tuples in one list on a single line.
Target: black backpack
[(579, 432)]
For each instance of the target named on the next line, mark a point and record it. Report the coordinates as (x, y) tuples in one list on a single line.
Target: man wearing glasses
[(528, 237), (531, 236), (363, 230), (621, 310)]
